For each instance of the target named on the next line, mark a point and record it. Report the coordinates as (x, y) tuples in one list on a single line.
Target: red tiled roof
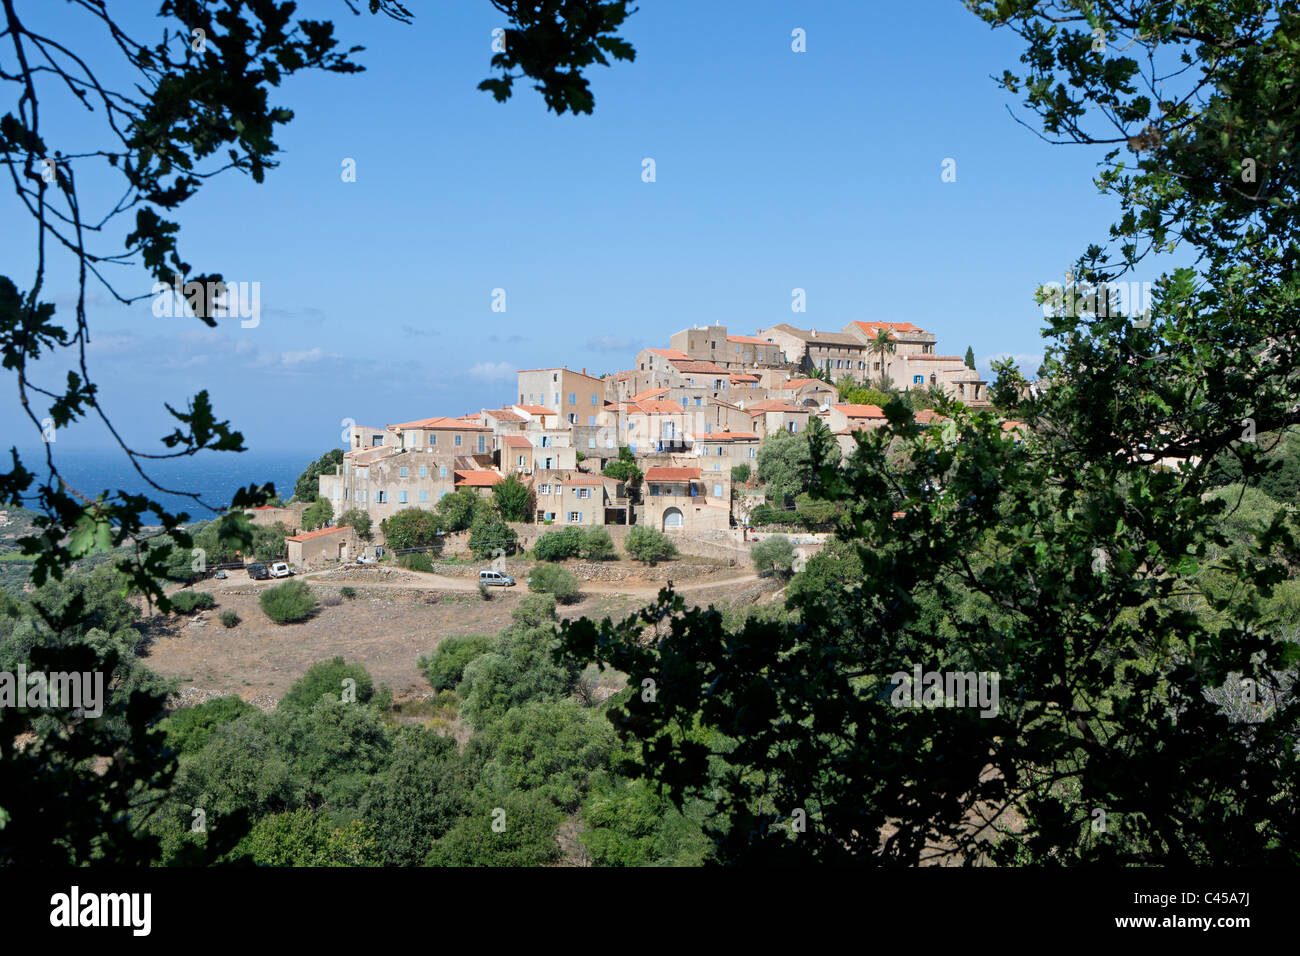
[(928, 416), (694, 365), (516, 441), (477, 479), (648, 393), (872, 327), (670, 353), (308, 535), (663, 473), (744, 377), (860, 411), (934, 358), (749, 340), (535, 410), (772, 405), (442, 422), (503, 414), (801, 382)]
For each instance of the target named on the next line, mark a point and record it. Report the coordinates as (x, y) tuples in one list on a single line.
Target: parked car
[(497, 579), (367, 559), (281, 570), (259, 572), (221, 575)]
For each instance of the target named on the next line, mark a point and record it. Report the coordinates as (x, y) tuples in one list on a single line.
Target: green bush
[(597, 545), (649, 545), (288, 602), (534, 610), (556, 581), (813, 511), (774, 556), (490, 535), (229, 618), (740, 474), (416, 561), (187, 602), (558, 545), (445, 667), (327, 678), (188, 729), (348, 592)]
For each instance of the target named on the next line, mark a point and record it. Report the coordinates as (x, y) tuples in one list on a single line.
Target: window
[(575, 517), (361, 497), (591, 421), (424, 495), (433, 439), (456, 441), (557, 401), (363, 472), (481, 439), (401, 472), (381, 497), (699, 401), (708, 427), (918, 379), (376, 441), (573, 398), (519, 461), (521, 398), (595, 399), (573, 418), (424, 471), (792, 427), (717, 491), (591, 443), (401, 497), (737, 349), (609, 442), (584, 492), (721, 450), (442, 472), (753, 452), (683, 401), (546, 441), (717, 466)]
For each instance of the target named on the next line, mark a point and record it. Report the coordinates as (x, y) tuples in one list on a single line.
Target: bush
[(534, 610), (489, 536), (445, 667), (327, 678), (187, 602), (483, 591), (288, 602), (740, 474), (597, 545), (775, 556), (358, 521), (646, 544), (229, 619), (410, 528), (416, 561), (317, 514), (558, 545), (814, 511), (348, 592), (556, 581)]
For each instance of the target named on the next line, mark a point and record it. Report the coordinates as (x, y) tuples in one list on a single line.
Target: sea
[(215, 476)]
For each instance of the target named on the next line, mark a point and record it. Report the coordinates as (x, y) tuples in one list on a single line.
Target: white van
[(495, 579), (281, 570)]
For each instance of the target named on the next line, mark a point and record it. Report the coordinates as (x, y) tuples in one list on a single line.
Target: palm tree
[(881, 345)]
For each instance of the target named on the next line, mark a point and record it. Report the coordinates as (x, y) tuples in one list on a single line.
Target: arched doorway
[(673, 519)]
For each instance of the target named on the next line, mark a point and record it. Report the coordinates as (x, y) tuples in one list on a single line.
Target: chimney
[(814, 333)]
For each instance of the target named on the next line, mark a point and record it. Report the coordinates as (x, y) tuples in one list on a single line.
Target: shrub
[(317, 514), (445, 667), (416, 561), (489, 535), (556, 581), (740, 474), (814, 511), (410, 528), (558, 545), (649, 545), (534, 610), (229, 619), (348, 592), (327, 677), (775, 556), (187, 602), (484, 592), (288, 602), (597, 545), (358, 521), (331, 600)]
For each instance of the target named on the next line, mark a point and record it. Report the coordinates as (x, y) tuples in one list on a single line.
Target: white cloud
[(492, 371), (298, 358), (1027, 362)]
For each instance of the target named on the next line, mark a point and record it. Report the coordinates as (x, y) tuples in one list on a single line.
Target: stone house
[(321, 548)]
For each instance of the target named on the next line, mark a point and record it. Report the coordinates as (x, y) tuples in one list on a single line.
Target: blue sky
[(775, 170)]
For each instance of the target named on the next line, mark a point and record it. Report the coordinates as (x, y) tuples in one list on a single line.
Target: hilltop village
[(686, 414)]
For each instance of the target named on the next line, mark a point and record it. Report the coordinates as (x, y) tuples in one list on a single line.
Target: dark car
[(259, 572)]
